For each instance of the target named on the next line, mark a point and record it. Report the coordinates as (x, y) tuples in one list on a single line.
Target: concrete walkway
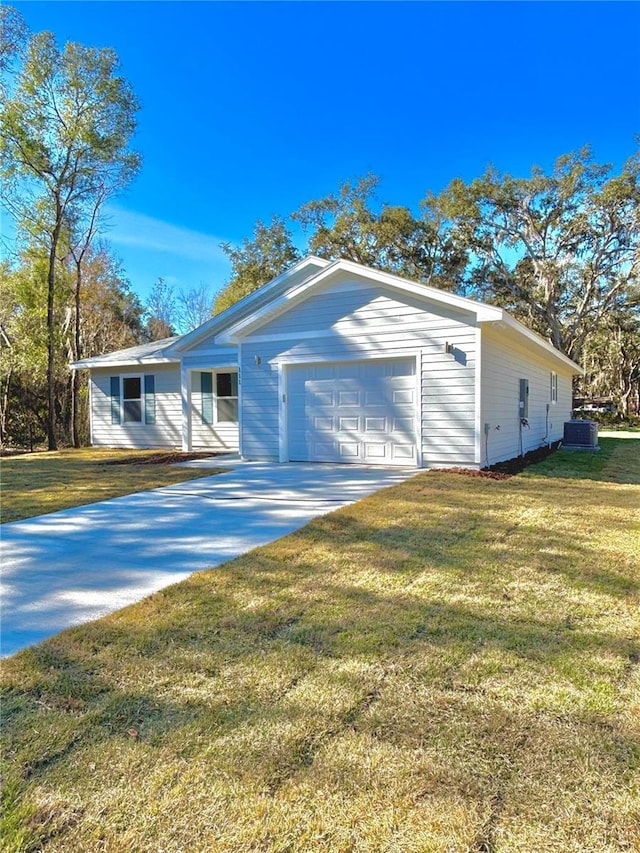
[(68, 567)]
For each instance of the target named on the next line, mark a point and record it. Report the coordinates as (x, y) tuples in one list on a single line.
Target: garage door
[(361, 412)]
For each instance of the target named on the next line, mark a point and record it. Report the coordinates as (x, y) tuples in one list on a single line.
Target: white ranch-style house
[(336, 362)]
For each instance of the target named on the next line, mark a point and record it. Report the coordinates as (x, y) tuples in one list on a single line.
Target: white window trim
[(214, 371), (143, 402), (139, 376), (216, 419), (553, 387)]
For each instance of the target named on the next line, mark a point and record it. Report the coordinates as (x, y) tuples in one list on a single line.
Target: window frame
[(146, 400), (553, 387), (211, 402), (124, 400)]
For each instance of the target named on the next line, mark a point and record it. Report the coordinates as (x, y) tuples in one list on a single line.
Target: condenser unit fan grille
[(580, 433)]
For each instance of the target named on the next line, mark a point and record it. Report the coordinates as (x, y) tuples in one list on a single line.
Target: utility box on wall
[(523, 404)]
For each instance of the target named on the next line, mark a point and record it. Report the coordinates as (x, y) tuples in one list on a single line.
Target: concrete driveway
[(68, 567)]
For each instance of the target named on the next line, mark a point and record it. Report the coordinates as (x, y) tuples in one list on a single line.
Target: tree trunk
[(4, 406), (75, 382), (51, 350)]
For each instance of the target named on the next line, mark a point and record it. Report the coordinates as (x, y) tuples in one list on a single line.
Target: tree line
[(559, 250), (67, 120)]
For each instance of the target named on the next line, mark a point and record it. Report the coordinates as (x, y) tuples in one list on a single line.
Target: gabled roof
[(483, 313), (153, 353), (292, 287), (303, 270), (170, 349), (243, 326)]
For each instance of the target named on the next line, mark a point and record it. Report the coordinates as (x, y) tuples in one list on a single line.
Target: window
[(206, 390), (129, 404), (150, 399), (131, 400), (227, 394), (553, 392), (224, 403)]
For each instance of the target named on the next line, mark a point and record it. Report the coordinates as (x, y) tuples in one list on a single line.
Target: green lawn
[(36, 483), (448, 666)]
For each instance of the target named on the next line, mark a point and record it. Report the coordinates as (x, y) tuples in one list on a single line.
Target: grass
[(37, 483), (448, 666)]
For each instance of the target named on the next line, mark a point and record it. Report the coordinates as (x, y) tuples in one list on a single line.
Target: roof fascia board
[(237, 331), (209, 327), (522, 330), (90, 363)]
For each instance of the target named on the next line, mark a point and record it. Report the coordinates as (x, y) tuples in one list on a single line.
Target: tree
[(111, 319), (13, 36), (611, 359), (112, 315), (195, 307), (392, 239), (259, 259), (348, 225), (161, 311), (65, 139), (560, 251), (23, 353)]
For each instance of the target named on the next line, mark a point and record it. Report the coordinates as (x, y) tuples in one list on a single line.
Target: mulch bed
[(168, 457), (507, 469)]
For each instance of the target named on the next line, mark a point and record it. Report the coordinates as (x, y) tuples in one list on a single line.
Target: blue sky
[(250, 109)]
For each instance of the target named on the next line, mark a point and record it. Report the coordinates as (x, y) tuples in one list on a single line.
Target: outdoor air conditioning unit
[(580, 435)]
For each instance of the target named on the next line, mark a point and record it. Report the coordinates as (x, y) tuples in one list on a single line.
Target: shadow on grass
[(416, 589), (83, 679)]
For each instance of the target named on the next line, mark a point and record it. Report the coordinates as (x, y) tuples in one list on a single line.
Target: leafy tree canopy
[(353, 226), (259, 259), (67, 119), (559, 250)]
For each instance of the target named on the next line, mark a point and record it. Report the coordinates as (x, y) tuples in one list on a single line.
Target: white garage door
[(361, 412)]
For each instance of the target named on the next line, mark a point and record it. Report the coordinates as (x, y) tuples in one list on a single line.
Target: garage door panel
[(357, 412), (322, 398), (323, 424), (376, 452), (375, 424), (349, 398), (374, 398), (350, 449), (405, 426), (402, 368), (403, 452), (348, 424)]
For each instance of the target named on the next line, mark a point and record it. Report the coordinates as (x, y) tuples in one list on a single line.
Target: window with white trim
[(227, 397), (133, 399), (219, 405), (553, 387)]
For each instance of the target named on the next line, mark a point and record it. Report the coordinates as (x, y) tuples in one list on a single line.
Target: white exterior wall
[(166, 432), (353, 321), (504, 363), (206, 356)]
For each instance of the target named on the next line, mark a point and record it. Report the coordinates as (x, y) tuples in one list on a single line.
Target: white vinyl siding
[(207, 356), (504, 363), (355, 321), (165, 432)]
